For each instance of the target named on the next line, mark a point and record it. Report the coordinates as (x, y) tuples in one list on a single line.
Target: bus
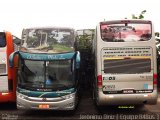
[(48, 69), (8, 44), (125, 67)]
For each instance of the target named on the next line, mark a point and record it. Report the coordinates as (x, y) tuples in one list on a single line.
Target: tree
[(141, 15), (157, 36), (84, 45), (84, 40)]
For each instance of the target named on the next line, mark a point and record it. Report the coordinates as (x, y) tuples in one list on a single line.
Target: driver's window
[(2, 39)]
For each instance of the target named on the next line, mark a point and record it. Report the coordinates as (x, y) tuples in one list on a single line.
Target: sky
[(78, 14)]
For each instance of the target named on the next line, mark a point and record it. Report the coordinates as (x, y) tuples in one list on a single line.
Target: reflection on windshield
[(125, 32), (46, 74), (53, 40)]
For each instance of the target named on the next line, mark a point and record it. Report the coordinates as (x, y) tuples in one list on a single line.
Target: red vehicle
[(7, 75)]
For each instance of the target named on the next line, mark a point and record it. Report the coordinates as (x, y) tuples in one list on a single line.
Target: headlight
[(21, 96), (68, 96)]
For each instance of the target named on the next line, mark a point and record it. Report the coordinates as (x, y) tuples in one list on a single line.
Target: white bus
[(124, 54)]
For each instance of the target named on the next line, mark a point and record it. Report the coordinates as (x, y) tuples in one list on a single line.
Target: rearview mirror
[(78, 60), (16, 40)]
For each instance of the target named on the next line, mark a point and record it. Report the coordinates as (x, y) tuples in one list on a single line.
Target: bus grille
[(2, 68), (128, 66)]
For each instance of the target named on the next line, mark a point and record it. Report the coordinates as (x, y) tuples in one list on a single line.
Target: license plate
[(44, 106)]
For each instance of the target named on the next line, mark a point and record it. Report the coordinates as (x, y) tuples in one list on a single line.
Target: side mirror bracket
[(11, 59)]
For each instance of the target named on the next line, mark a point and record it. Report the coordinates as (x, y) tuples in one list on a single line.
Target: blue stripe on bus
[(45, 94), (44, 56)]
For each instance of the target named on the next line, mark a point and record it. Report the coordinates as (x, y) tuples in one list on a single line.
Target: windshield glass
[(126, 32), (48, 40), (2, 39), (53, 75)]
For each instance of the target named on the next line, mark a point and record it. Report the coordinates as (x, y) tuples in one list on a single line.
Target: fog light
[(145, 95), (111, 96), (70, 105)]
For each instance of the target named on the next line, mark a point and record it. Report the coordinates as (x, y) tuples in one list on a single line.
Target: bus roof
[(126, 21), (48, 27)]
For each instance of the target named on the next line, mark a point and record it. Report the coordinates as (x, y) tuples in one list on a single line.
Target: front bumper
[(59, 103), (126, 99)]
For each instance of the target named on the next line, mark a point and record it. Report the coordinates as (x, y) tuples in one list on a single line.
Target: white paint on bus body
[(3, 70)]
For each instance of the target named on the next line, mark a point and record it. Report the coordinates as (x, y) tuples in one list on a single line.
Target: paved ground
[(85, 110)]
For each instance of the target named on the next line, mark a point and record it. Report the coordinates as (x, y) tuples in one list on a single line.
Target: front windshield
[(48, 40), (126, 32), (53, 75)]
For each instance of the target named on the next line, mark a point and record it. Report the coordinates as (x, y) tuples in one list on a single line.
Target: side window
[(2, 39)]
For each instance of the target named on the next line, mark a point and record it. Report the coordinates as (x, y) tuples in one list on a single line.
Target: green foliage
[(143, 12), (141, 15), (84, 45), (134, 17), (55, 48), (51, 40), (157, 34), (31, 40), (84, 41), (61, 48)]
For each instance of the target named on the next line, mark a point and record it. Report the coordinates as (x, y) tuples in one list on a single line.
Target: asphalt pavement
[(85, 110)]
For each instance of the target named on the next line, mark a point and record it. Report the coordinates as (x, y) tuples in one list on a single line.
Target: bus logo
[(44, 99), (109, 78)]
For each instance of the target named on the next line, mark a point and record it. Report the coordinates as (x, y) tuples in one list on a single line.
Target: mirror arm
[(11, 59), (78, 60)]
